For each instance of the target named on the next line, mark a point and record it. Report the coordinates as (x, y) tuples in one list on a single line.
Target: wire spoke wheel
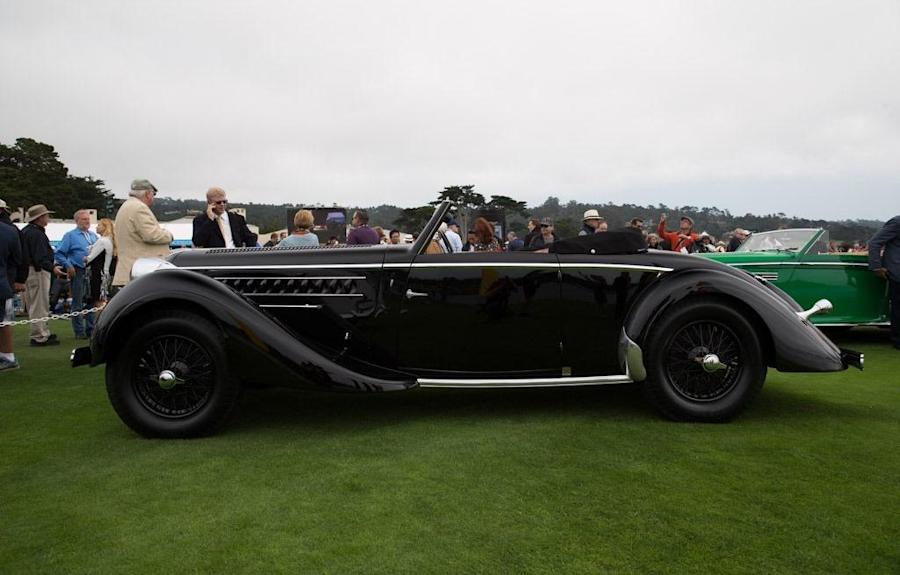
[(705, 361), (173, 377), (685, 367)]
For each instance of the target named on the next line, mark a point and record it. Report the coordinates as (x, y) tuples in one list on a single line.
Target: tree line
[(32, 173)]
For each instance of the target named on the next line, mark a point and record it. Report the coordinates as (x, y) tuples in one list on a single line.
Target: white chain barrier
[(53, 317)]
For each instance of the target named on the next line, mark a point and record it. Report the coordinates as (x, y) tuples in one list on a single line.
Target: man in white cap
[(591, 223), (38, 257), (138, 233)]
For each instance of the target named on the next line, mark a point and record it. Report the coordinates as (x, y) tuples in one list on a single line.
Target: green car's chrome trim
[(745, 264)]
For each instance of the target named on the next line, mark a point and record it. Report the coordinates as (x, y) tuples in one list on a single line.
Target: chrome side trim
[(288, 267), (301, 306), (289, 277), (547, 265), (751, 264), (631, 356), (768, 276), (525, 382), (305, 294), (634, 267), (862, 324), (551, 265)]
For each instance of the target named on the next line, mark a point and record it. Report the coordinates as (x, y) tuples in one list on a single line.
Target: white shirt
[(455, 240), (225, 227), (103, 245)]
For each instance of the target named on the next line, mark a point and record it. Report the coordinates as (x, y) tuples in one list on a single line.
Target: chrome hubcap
[(167, 379), (711, 363)]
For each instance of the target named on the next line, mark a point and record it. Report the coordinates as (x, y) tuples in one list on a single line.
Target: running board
[(525, 382)]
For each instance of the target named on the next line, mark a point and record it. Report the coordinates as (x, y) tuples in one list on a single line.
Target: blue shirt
[(296, 240), (73, 248)]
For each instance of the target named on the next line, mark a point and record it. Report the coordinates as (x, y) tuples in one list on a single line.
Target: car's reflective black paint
[(385, 318)]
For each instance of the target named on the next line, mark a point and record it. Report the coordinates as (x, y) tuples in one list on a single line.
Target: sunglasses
[(220, 202), (546, 225)]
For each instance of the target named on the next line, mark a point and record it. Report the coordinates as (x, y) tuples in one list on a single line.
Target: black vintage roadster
[(179, 343)]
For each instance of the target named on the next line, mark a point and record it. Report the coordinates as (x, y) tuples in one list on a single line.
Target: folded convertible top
[(617, 242)]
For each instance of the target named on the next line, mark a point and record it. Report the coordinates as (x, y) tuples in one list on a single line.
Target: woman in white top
[(302, 236), (101, 261)]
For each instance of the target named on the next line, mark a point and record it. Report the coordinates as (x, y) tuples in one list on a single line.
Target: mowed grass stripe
[(439, 481)]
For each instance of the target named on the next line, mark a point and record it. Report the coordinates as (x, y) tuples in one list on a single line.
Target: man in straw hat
[(590, 223), (138, 232), (39, 258)]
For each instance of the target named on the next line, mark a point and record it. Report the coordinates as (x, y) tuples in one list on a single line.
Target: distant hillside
[(567, 217)]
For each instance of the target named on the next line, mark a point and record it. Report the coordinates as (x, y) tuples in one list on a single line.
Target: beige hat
[(142, 185), (3, 206), (591, 215), (34, 212)]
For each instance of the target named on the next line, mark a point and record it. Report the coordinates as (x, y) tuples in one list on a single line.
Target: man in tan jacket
[(138, 234)]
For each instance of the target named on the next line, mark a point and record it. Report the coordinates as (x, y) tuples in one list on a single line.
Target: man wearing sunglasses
[(219, 228)]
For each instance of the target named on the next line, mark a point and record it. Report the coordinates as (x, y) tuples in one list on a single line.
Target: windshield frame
[(795, 247)]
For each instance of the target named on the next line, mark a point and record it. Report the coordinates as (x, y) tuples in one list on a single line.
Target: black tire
[(203, 394), (679, 385)]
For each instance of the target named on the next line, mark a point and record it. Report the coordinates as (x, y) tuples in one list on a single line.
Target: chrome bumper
[(80, 356), (854, 358)]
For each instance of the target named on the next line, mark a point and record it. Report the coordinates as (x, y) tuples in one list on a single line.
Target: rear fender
[(796, 345)]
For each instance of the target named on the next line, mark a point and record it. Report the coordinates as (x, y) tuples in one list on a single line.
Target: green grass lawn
[(570, 480)]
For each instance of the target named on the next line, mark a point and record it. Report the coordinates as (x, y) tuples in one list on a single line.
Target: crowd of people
[(88, 267)]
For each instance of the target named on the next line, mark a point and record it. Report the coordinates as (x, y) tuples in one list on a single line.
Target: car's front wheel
[(171, 379), (704, 362)]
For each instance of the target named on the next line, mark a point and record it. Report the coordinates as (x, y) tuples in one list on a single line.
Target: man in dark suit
[(884, 260), (219, 228), (11, 281)]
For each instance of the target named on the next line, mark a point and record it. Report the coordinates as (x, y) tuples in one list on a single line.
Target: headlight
[(144, 266)]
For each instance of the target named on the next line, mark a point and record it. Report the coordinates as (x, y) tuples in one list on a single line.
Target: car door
[(596, 293), (328, 298), (480, 315), (858, 295)]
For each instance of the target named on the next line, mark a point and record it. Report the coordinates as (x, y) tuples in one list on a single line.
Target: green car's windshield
[(778, 241)]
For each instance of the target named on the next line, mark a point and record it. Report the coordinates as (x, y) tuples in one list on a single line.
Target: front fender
[(796, 344), (244, 326)]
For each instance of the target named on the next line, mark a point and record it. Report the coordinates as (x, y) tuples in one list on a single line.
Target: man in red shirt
[(683, 239)]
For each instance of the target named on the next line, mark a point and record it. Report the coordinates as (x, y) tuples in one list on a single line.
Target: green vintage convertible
[(798, 262)]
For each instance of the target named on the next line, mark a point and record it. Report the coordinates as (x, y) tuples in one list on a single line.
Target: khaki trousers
[(37, 298)]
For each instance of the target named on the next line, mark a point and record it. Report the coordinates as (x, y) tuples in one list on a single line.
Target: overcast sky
[(757, 106)]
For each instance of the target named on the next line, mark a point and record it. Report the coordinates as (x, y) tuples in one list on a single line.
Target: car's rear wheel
[(704, 362), (171, 378)]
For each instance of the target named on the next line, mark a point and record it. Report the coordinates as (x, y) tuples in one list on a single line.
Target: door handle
[(411, 294)]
